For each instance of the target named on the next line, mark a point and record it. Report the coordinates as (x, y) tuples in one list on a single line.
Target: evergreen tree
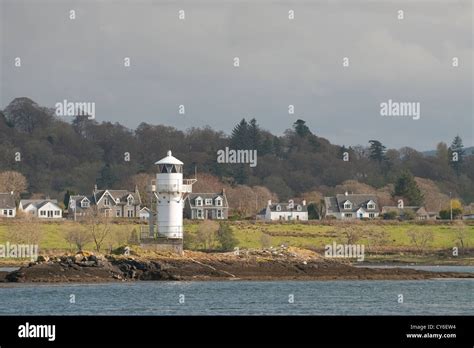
[(226, 237), (67, 196), (301, 128), (407, 188), (107, 177), (456, 154), (239, 139), (377, 151), (254, 135)]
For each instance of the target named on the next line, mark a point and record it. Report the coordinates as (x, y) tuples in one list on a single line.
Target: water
[(421, 297)]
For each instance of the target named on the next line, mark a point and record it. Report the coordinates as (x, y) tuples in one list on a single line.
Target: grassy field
[(384, 238)]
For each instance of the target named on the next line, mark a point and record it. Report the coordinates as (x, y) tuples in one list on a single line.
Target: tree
[(67, 196), (420, 239), (456, 154), (377, 151), (98, 224), (407, 188), (206, 234), (226, 237), (76, 235), (239, 138), (301, 128), (11, 181)]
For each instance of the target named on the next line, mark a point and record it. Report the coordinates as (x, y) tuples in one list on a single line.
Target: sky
[(282, 62)]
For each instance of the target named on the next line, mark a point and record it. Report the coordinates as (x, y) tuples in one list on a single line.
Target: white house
[(7, 205), (352, 206), (285, 211), (144, 214), (41, 208)]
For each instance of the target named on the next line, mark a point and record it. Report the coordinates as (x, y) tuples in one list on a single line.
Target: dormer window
[(298, 207), (371, 205), (85, 204), (208, 201), (278, 208), (219, 201), (198, 202), (130, 200), (347, 205)]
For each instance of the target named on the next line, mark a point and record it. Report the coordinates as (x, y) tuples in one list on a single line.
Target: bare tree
[(77, 235), (98, 224), (461, 234), (420, 239), (25, 232), (13, 181), (351, 234)]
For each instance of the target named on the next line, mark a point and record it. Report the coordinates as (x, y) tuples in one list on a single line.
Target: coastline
[(293, 264)]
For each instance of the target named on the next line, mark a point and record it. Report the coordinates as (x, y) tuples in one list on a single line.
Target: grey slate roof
[(121, 194), (284, 207), (336, 204), (191, 198), (7, 201), (38, 203)]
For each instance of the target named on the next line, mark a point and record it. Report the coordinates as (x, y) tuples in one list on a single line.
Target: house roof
[(38, 203), (120, 194), (7, 201), (191, 197), (336, 204), (416, 209), (169, 159), (285, 207)]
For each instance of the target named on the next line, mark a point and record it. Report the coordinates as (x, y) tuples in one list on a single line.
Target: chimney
[(303, 202), (95, 187), (346, 193), (11, 192), (269, 202)]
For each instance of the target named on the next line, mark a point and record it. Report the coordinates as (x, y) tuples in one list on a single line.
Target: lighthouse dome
[(169, 159)]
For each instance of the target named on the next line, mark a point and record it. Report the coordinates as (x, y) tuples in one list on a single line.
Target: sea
[(339, 297)]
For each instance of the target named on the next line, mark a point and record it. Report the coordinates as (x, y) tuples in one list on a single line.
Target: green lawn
[(249, 234)]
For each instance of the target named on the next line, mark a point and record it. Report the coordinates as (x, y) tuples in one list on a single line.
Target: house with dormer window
[(112, 203), (201, 206), (286, 211), (352, 206)]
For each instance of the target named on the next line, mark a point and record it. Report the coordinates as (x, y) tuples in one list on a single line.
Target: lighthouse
[(170, 189)]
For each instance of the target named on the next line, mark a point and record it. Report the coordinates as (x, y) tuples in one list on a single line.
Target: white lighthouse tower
[(170, 188)]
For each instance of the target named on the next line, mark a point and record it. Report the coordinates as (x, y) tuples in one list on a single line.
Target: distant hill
[(469, 151)]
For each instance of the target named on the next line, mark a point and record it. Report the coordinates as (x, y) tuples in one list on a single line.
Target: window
[(371, 205), (57, 212), (219, 214), (130, 201), (85, 204), (371, 215), (5, 212), (348, 215), (199, 213), (297, 217), (199, 202), (219, 202), (280, 217), (106, 201), (43, 213), (130, 213), (117, 213), (278, 208), (347, 205), (208, 201), (10, 212), (298, 208)]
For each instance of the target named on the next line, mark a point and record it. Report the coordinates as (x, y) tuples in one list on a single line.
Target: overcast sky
[(282, 62)]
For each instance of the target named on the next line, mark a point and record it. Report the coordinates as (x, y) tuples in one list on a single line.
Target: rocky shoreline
[(251, 265)]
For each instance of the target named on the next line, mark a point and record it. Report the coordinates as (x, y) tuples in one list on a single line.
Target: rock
[(42, 258)]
